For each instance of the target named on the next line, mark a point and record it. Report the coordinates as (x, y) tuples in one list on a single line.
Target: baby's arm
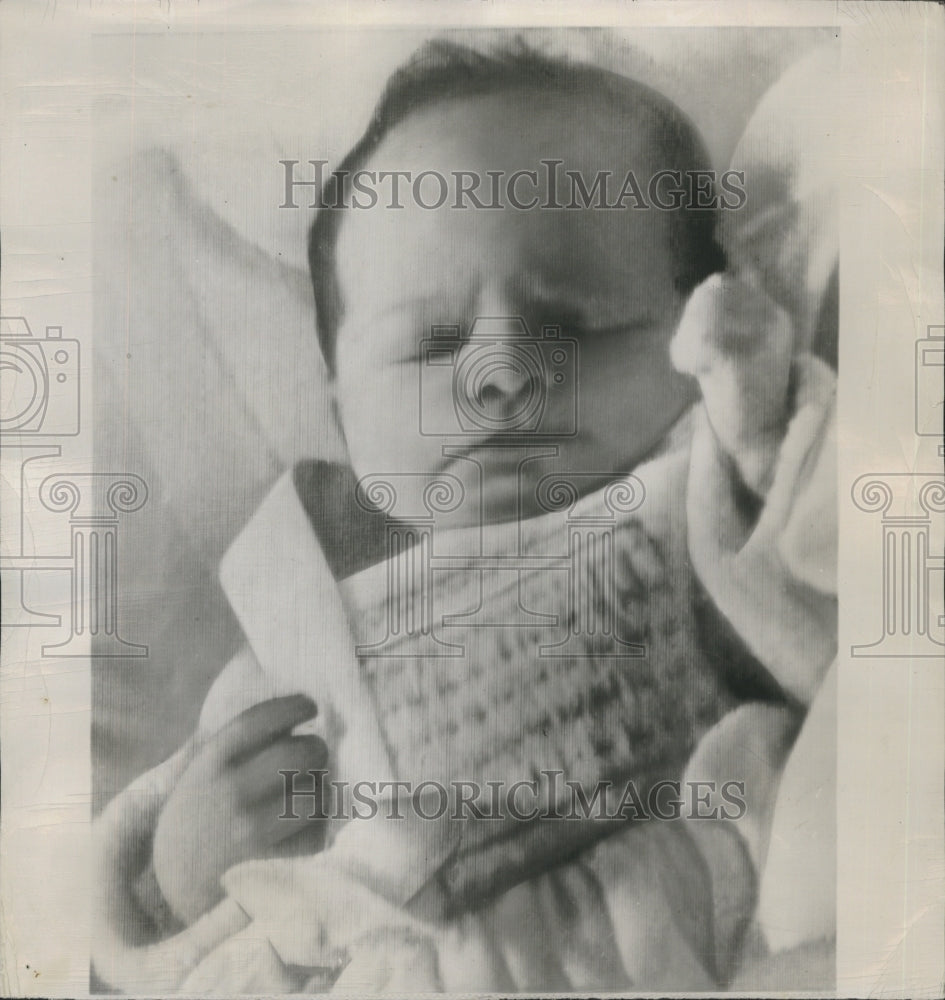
[(227, 807), (136, 948)]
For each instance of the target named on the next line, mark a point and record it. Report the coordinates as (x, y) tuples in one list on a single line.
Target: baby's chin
[(506, 496)]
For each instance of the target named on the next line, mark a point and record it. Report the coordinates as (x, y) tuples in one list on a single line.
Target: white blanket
[(641, 897)]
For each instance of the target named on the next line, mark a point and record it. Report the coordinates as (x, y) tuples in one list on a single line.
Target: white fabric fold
[(302, 639), (775, 579)]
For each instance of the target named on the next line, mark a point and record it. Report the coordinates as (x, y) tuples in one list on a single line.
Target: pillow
[(788, 230)]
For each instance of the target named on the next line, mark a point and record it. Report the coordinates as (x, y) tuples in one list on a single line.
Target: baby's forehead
[(571, 145), (514, 127), (389, 260), (441, 267)]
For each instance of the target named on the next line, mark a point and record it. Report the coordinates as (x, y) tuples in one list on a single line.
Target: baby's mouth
[(515, 446), (507, 469)]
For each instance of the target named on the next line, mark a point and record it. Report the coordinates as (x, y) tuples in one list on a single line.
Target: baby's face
[(605, 277)]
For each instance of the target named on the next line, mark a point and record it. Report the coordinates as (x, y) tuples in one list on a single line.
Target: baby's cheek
[(381, 427), (628, 404)]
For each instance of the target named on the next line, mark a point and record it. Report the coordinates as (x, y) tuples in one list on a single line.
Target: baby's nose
[(497, 363), (499, 375), (504, 376)]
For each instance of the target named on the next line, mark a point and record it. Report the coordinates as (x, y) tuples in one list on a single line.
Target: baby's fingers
[(257, 727), (261, 776), (279, 798)]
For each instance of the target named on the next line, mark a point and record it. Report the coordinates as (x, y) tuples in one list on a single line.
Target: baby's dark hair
[(442, 70)]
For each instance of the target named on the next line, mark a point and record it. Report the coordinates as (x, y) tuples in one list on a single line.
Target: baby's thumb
[(124, 830)]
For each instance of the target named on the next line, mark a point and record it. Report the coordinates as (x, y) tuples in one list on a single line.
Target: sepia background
[(58, 85)]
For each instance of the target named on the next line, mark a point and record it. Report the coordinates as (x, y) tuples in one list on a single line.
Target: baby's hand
[(227, 805)]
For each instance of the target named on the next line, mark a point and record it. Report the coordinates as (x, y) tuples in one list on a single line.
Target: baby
[(612, 281)]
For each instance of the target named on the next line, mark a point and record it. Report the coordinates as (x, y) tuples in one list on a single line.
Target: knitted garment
[(612, 684)]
